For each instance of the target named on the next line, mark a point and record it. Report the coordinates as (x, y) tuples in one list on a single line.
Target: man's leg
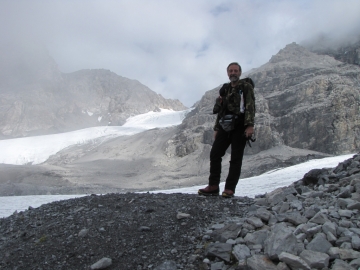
[(238, 142), (218, 150)]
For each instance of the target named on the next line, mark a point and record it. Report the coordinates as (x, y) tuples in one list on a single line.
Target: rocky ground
[(312, 224)]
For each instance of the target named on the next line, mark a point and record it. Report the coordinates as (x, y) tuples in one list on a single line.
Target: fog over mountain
[(153, 43), (36, 98), (307, 104)]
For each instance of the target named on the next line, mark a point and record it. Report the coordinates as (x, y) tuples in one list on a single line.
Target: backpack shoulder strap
[(222, 91)]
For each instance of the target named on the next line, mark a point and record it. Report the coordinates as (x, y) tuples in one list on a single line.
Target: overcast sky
[(178, 48)]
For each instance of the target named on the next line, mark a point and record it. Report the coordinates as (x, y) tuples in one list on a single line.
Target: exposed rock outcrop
[(36, 98), (307, 225), (303, 100)]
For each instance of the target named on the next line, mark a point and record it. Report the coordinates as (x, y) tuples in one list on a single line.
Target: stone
[(280, 239), (180, 215), (295, 262), (319, 243), (101, 264), (295, 218), (329, 227), (83, 232), (229, 231), (310, 212), (296, 204), (341, 265), (167, 265), (355, 242), (355, 263), (219, 250), (257, 237), (279, 195), (345, 213), (343, 254), (241, 252), (263, 214), (319, 218), (257, 262), (345, 193), (315, 259), (217, 266), (282, 266), (353, 206), (256, 222)]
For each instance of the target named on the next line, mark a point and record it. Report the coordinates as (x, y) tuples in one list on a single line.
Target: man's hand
[(249, 131), (215, 133)]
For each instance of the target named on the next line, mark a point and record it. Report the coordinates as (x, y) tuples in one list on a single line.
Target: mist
[(179, 49)]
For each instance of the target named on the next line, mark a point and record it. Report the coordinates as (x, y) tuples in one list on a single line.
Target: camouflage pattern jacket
[(231, 98)]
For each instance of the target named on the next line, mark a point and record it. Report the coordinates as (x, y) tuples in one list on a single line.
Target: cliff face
[(303, 100), (349, 53), (36, 98)]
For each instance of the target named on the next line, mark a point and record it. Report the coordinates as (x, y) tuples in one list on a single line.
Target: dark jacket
[(231, 97)]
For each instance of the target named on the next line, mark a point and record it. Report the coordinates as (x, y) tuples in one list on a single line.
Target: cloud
[(178, 48)]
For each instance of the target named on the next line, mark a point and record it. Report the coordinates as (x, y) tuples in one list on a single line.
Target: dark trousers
[(223, 140)]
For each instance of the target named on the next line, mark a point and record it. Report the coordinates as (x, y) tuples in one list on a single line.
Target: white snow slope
[(37, 149)]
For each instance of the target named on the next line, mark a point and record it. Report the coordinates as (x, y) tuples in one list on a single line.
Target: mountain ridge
[(37, 99), (307, 107)]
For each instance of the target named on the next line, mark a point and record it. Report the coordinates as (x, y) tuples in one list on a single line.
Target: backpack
[(223, 88)]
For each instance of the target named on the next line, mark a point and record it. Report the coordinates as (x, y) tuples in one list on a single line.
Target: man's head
[(234, 71)]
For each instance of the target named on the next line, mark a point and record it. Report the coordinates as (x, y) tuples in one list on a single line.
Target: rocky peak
[(349, 53), (303, 100), (291, 52), (36, 98)]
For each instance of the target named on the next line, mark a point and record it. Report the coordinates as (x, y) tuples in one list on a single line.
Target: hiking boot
[(227, 193), (209, 191)]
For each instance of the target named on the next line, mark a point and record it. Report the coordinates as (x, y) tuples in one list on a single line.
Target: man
[(237, 102)]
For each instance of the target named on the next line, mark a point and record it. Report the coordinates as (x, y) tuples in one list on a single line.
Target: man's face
[(234, 73)]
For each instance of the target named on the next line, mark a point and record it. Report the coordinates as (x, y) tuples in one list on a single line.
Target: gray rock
[(296, 204), (331, 238), (280, 239), (83, 232), (293, 261), (341, 265), (345, 213), (345, 193), (257, 262), (315, 259), (353, 206), (319, 243), (263, 214), (101, 264), (355, 263), (319, 218), (217, 266), (230, 231), (343, 254), (257, 237), (219, 250), (167, 265), (241, 252), (256, 222), (295, 218), (329, 227)]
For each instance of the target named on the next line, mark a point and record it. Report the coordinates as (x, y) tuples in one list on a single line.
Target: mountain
[(307, 106), (304, 100), (36, 98), (348, 53)]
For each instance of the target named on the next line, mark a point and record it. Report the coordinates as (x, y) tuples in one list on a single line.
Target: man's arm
[(249, 111)]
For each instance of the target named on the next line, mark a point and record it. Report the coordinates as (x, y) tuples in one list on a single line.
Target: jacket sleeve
[(217, 125), (249, 106)]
